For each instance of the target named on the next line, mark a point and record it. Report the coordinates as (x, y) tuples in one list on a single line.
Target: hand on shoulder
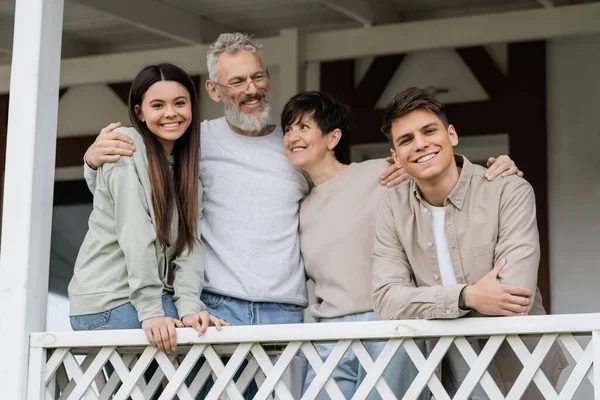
[(108, 147)]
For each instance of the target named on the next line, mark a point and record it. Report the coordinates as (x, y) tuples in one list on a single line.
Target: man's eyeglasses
[(259, 81)]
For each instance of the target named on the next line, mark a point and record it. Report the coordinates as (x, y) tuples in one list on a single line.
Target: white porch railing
[(70, 365)]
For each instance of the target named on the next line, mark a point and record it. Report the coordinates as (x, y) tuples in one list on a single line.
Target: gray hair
[(230, 43)]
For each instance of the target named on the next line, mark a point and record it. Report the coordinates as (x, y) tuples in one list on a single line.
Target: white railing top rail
[(569, 323)]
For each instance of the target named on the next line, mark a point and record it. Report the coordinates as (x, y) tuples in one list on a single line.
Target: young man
[(449, 244)]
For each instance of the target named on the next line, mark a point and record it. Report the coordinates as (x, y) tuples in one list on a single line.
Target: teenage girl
[(141, 264)]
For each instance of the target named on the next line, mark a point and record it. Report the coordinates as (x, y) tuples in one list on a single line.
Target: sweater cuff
[(149, 308), (186, 307)]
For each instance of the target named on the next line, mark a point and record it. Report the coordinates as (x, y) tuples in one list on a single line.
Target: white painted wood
[(575, 350), (95, 367), (75, 370), (66, 386), (107, 391), (177, 380), (156, 380), (62, 382), (28, 185), (70, 45), (324, 370), (581, 370), (454, 32), (427, 369), (226, 372), (531, 366), (596, 347), (272, 374), (123, 372), (572, 323), (375, 369), (201, 378), (160, 18), (122, 67), (53, 363), (136, 373), (82, 375), (275, 373), (478, 366), (291, 67), (36, 384), (247, 375), (312, 81), (360, 11), (168, 364)]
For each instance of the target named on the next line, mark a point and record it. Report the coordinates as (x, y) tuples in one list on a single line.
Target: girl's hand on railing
[(161, 333), (202, 320)]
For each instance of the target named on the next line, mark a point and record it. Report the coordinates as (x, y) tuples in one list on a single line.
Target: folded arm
[(395, 294), (509, 288)]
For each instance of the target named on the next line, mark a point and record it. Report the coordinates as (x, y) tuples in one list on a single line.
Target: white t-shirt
[(441, 245)]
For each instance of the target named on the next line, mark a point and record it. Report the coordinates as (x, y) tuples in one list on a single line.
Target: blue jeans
[(122, 317), (349, 373), (243, 312)]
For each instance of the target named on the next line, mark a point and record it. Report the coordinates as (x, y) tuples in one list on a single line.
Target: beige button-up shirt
[(485, 222)]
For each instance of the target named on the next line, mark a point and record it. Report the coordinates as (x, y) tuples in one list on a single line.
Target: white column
[(29, 183), (291, 65)]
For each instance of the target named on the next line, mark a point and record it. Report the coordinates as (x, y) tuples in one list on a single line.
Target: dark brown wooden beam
[(61, 92), (528, 137), (378, 76), (70, 150), (337, 80), (487, 72), (478, 117), (121, 89), (470, 119), (71, 192)]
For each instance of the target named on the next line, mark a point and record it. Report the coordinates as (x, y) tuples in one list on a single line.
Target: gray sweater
[(120, 259), (250, 220)]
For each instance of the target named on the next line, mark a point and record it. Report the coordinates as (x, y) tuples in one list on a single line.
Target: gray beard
[(245, 122)]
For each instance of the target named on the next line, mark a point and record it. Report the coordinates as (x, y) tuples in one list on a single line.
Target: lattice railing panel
[(222, 365)]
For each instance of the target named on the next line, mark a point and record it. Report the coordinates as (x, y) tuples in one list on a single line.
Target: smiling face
[(243, 88), (167, 111), (423, 145), (306, 145)]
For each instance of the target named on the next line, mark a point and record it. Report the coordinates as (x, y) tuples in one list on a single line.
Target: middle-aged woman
[(337, 223)]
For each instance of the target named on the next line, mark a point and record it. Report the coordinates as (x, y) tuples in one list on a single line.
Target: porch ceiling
[(109, 26)]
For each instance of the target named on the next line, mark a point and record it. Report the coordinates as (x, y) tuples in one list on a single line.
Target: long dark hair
[(182, 190)]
